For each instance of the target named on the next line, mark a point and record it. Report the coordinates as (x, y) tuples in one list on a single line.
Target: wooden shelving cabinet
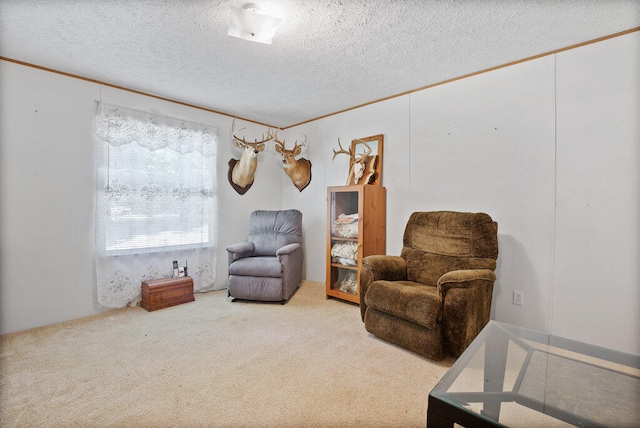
[(356, 228)]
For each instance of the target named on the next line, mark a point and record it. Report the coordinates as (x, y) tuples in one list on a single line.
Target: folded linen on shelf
[(350, 283), (346, 226), (347, 252)]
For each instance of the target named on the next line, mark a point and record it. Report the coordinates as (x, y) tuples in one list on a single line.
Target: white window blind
[(156, 199)]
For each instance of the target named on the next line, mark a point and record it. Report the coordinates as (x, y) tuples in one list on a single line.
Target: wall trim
[(75, 76), (633, 30), (123, 88)]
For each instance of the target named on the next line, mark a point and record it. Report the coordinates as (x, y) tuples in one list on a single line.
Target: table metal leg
[(495, 363), (434, 420)]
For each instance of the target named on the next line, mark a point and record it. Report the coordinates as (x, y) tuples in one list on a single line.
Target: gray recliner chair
[(268, 266)]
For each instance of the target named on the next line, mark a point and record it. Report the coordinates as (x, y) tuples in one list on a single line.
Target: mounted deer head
[(359, 163), (298, 170), (241, 172)]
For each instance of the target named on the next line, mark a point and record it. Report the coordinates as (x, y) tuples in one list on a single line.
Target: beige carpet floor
[(215, 363)]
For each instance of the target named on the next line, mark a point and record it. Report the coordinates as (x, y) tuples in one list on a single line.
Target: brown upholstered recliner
[(436, 296)]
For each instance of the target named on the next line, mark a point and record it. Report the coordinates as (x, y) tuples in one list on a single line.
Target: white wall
[(597, 265), (486, 144), (47, 193), (549, 148), (47, 198)]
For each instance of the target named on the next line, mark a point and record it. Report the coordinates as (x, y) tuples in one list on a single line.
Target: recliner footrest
[(411, 301), (405, 333)]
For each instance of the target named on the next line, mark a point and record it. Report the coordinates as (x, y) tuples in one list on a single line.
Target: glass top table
[(512, 376)]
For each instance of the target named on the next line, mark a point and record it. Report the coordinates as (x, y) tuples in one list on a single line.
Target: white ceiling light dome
[(250, 23)]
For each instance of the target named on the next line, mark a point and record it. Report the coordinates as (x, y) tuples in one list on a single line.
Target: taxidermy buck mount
[(242, 171), (298, 170), (362, 168)]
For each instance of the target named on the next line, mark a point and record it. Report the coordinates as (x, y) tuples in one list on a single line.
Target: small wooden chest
[(165, 292)]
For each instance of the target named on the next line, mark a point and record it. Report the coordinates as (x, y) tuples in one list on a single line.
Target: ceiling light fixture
[(250, 24)]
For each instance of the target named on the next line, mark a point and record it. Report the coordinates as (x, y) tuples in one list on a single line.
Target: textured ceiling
[(327, 56)]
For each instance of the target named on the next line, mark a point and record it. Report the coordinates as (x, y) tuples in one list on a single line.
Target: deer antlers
[(351, 153), (242, 171), (241, 142), (359, 163), (298, 170), (280, 145)]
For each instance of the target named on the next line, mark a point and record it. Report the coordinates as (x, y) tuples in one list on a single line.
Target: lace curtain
[(156, 201)]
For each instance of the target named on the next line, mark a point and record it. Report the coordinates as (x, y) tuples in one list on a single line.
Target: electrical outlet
[(518, 298)]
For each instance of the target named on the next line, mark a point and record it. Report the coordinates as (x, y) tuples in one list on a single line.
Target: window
[(156, 191)]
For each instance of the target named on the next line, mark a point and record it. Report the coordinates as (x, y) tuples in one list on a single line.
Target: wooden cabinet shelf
[(356, 228), (340, 266), (336, 238)]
